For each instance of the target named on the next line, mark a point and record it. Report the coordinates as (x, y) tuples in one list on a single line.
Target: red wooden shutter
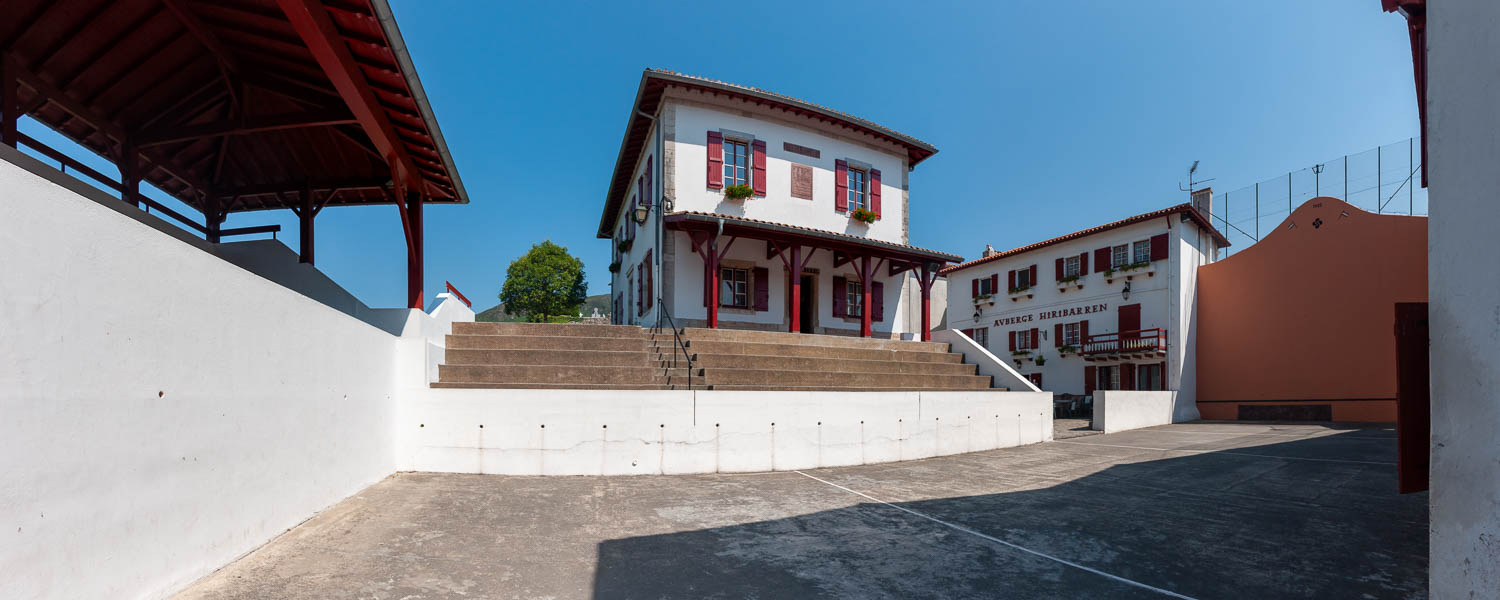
[(1059, 265), (762, 289), (630, 219), (875, 192), (1083, 264), (877, 301), (1127, 376), (1089, 378), (759, 152), (641, 277), (1032, 278), (650, 282), (995, 284), (715, 160), (840, 185), (1083, 332), (975, 292), (1010, 280), (1161, 375), (839, 289), (649, 192), (1012, 341), (1036, 339), (1159, 247), (1057, 335), (1101, 260)]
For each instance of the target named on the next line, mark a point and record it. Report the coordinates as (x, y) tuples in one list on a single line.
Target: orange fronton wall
[(1306, 315)]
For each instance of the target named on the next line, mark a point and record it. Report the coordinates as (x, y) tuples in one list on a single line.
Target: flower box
[(1017, 293), (738, 192), (1128, 272)]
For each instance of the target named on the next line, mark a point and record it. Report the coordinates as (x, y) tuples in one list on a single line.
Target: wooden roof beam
[(242, 126)]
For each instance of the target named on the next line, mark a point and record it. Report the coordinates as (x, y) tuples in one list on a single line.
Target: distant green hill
[(497, 314)]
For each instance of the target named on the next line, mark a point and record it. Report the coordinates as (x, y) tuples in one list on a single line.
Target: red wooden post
[(796, 271), (864, 283), (305, 226), (10, 104), (129, 165), (414, 294), (713, 288), (926, 286)]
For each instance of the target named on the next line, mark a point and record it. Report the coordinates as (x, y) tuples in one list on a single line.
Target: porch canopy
[(232, 106), (713, 234)]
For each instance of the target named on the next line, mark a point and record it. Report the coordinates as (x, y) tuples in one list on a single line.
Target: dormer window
[(736, 162)]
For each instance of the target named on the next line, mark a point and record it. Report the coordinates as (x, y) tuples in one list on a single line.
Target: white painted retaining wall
[(1121, 410), (162, 411), (605, 432), (989, 364)]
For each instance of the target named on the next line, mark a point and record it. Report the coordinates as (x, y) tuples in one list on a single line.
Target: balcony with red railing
[(1126, 344)]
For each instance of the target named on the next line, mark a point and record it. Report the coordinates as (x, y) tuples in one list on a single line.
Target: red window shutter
[(1101, 260), (630, 219), (1083, 332), (975, 293), (1161, 375), (1012, 341), (1032, 278), (875, 192), (758, 150), (877, 301), (1010, 280), (995, 283), (650, 283), (1127, 376), (1089, 378), (1159, 247), (762, 289), (1036, 339), (649, 191), (639, 276), (840, 185), (1059, 265), (1057, 335), (1083, 263), (839, 289), (715, 160)]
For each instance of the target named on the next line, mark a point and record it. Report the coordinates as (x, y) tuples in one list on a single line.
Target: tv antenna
[(1192, 182)]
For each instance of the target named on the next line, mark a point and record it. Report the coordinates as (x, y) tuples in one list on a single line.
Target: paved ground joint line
[(1333, 460), (996, 540)]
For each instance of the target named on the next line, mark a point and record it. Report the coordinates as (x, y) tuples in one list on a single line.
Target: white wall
[(1125, 410), (1464, 308), (605, 432), (164, 411), (698, 113)]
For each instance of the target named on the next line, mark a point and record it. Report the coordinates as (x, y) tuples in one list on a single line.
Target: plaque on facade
[(803, 150), (802, 182)]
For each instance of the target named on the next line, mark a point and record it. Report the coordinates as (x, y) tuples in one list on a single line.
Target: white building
[(688, 248), (1107, 308)]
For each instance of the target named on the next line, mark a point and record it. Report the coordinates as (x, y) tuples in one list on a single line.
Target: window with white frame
[(1120, 256), (1024, 341), (854, 298), (859, 181), (734, 288), (736, 162), (982, 337), (1071, 267), (1142, 251), (1071, 334)]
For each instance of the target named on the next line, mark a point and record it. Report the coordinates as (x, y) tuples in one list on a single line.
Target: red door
[(1413, 397)]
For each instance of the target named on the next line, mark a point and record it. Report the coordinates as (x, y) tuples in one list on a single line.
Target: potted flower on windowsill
[(1040, 360), (625, 244), (1062, 284), (863, 215), (1015, 292), (614, 267), (738, 192), (984, 299), (1066, 348)]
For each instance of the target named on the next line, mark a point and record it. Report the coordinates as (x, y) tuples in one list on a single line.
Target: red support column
[(10, 105), (796, 270), (129, 172), (926, 285), (414, 294), (305, 225), (713, 288), (864, 284)]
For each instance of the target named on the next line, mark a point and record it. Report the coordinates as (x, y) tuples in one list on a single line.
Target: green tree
[(546, 282)]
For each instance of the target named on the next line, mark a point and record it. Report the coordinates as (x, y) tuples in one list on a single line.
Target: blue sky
[(1049, 117)]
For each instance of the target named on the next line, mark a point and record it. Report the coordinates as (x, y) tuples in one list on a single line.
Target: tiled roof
[(1186, 209), (855, 239)]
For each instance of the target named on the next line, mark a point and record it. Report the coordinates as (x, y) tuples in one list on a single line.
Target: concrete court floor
[(1200, 510)]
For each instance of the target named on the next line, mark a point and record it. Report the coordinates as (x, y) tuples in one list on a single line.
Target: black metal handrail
[(677, 342)]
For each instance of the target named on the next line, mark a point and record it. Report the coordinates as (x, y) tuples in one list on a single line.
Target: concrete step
[(707, 347), (778, 378), (560, 374), (844, 365), (596, 358), (776, 337), (552, 329), (548, 386), (544, 342), (827, 388)]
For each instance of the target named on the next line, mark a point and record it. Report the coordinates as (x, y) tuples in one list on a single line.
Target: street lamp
[(1125, 293)]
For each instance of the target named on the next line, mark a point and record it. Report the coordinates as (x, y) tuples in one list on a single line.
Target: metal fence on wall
[(1386, 179)]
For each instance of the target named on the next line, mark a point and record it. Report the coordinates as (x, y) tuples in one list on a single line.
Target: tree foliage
[(546, 282)]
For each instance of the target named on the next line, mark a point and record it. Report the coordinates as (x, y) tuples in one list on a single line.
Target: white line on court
[(1315, 435), (1002, 542), (1335, 460)]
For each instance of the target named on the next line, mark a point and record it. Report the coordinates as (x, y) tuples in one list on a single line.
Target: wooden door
[(1413, 398)]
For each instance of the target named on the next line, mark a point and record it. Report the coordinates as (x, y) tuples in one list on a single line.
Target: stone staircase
[(568, 356)]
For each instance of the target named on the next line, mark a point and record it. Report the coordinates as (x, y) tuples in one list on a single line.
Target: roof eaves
[(387, 21)]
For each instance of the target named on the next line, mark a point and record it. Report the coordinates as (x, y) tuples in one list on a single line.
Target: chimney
[(988, 251), (1203, 200)]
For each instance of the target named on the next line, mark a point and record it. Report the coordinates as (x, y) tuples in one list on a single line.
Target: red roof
[(648, 98), (1186, 210), (912, 252)]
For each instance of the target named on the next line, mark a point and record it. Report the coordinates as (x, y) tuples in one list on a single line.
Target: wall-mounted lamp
[(1125, 293), (643, 210)]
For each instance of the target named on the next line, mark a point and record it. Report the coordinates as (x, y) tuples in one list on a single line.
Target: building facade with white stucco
[(1107, 308), (722, 192)]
